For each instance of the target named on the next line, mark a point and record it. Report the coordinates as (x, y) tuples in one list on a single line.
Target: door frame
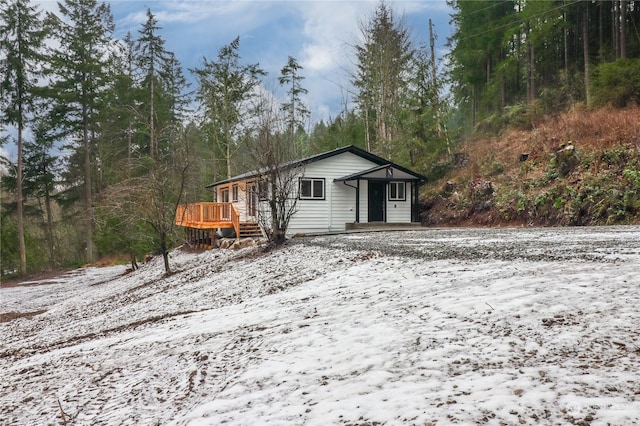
[(252, 201), (378, 204)]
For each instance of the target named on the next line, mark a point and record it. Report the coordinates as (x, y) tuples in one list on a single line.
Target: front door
[(252, 201), (377, 201), (226, 208)]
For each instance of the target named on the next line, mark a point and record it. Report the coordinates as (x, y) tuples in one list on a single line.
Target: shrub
[(616, 83)]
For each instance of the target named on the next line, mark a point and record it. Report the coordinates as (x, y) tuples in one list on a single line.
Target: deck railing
[(208, 216)]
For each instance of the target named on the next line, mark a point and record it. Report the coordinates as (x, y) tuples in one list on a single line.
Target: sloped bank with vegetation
[(580, 168)]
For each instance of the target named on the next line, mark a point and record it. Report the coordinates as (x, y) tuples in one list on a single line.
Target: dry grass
[(594, 130), (588, 130), (498, 159)]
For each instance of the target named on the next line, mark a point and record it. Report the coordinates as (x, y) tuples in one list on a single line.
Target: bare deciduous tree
[(269, 149)]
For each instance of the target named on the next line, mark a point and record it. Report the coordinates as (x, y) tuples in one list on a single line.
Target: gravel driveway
[(606, 244)]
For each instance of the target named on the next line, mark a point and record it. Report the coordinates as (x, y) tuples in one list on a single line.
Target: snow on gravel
[(433, 326)]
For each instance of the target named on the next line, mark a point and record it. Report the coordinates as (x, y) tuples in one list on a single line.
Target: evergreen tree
[(139, 210), (40, 180), (383, 60), (477, 47), (22, 35), (79, 85), (294, 108), (224, 88), (121, 119), (422, 116), (153, 60), (533, 54)]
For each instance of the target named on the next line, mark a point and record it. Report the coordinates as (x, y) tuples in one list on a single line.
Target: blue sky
[(319, 34)]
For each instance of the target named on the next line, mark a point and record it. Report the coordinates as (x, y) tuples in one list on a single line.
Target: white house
[(335, 190)]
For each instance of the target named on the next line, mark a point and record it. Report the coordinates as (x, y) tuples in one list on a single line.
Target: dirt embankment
[(580, 168)]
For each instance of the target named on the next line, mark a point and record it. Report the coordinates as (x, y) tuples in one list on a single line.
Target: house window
[(311, 189), (224, 195), (234, 193), (263, 190), (397, 191)]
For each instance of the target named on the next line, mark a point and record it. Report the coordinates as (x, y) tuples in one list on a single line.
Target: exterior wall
[(241, 204), (339, 204), (400, 211), (364, 201)]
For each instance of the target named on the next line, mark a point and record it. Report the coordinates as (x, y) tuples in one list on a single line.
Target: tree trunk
[(601, 49), (623, 29), (434, 76), (531, 69), (152, 130), (87, 181), (585, 49), (228, 156), (129, 148), (367, 132), (165, 253), (22, 247), (50, 239), (615, 28), (134, 263), (566, 45)]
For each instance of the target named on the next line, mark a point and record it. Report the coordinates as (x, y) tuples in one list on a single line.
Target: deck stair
[(250, 230)]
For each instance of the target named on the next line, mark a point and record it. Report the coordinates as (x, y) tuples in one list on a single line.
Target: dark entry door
[(376, 201)]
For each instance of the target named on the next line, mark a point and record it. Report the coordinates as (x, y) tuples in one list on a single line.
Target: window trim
[(263, 189), (312, 180), (404, 191), (225, 191), (234, 193)]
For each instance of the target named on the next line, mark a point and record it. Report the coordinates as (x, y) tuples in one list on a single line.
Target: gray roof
[(381, 163)]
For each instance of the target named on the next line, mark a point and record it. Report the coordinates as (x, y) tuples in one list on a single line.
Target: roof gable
[(381, 163)]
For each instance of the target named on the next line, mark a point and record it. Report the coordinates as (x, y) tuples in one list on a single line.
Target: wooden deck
[(208, 216)]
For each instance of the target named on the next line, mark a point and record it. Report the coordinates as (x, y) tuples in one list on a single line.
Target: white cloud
[(210, 17), (318, 58), (330, 30), (318, 33)]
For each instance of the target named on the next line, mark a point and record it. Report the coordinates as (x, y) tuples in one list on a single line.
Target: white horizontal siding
[(339, 204), (400, 211), (364, 201)]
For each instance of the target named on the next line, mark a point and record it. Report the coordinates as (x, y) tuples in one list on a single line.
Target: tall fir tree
[(139, 210), (383, 59), (40, 179), (121, 124), (293, 106), (22, 36), (224, 88), (80, 81), (153, 61)]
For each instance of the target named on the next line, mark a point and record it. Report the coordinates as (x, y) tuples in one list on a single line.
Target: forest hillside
[(111, 131), (579, 168)]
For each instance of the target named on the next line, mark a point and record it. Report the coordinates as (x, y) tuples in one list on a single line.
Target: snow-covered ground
[(455, 326)]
